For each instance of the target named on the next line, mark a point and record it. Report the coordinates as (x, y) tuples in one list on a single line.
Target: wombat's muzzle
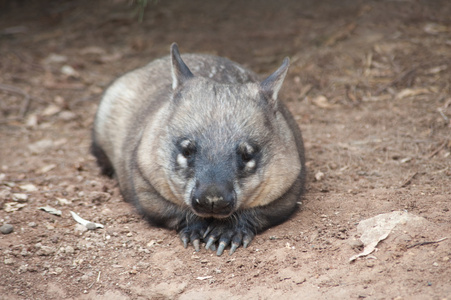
[(213, 199)]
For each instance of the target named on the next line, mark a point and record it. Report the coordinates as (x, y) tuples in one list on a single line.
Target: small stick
[(397, 80), (437, 150), (406, 183), (27, 98), (427, 243)]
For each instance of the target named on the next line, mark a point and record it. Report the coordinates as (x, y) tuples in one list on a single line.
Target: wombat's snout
[(213, 199)]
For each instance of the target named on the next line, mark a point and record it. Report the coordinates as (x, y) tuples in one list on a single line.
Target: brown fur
[(207, 149)]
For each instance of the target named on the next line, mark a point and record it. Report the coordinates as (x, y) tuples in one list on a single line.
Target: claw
[(233, 248), (185, 241), (246, 240), (206, 232), (210, 242), (196, 245), (221, 248)]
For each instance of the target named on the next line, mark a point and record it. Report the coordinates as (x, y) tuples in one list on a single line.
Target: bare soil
[(369, 85)]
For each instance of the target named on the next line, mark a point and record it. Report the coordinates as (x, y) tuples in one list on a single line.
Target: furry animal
[(207, 150)]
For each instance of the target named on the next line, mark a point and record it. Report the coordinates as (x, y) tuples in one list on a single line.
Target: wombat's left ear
[(271, 85), (180, 71)]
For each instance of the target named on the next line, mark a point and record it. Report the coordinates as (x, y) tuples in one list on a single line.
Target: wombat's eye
[(246, 157), (187, 148), (246, 152)]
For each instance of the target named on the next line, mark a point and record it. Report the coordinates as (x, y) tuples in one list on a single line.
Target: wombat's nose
[(213, 199)]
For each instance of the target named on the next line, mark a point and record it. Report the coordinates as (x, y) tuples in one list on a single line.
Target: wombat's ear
[(180, 72), (271, 85)]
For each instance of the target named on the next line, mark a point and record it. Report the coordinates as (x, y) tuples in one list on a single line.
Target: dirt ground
[(369, 85)]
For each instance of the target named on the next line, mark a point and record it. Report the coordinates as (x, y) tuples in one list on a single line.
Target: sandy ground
[(369, 85)]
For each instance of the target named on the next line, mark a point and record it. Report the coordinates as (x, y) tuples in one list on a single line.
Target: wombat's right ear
[(180, 71), (271, 85)]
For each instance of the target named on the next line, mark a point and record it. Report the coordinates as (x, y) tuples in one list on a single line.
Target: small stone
[(369, 264), (28, 187), (32, 224), (51, 110), (67, 115), (5, 195), (445, 259), (69, 250), (23, 269), (58, 270), (9, 261), (319, 176), (19, 197), (99, 197), (91, 226), (6, 229), (45, 251), (355, 244)]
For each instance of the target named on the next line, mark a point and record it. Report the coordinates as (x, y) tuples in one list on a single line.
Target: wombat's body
[(213, 155)]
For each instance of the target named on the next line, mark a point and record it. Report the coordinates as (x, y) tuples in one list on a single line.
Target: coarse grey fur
[(204, 148)]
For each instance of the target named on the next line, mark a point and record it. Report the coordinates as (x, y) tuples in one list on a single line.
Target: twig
[(437, 150), (26, 101), (407, 182), (426, 243), (397, 80)]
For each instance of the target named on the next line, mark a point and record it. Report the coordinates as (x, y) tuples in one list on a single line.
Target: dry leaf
[(83, 221), (13, 206), (412, 92), (321, 101), (51, 210)]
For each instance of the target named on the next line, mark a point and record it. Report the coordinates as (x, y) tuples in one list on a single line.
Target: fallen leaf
[(412, 92), (46, 169), (51, 210), (203, 278), (376, 229), (83, 221), (13, 206)]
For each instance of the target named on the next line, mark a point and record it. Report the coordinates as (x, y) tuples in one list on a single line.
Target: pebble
[(319, 176), (355, 243), (70, 250), (23, 269), (67, 115), (44, 250), (19, 197), (32, 224), (99, 197), (7, 228)]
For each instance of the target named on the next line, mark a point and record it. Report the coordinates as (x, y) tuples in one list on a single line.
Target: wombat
[(204, 148)]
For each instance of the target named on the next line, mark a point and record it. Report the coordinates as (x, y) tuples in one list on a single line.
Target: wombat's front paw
[(193, 233), (227, 234)]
